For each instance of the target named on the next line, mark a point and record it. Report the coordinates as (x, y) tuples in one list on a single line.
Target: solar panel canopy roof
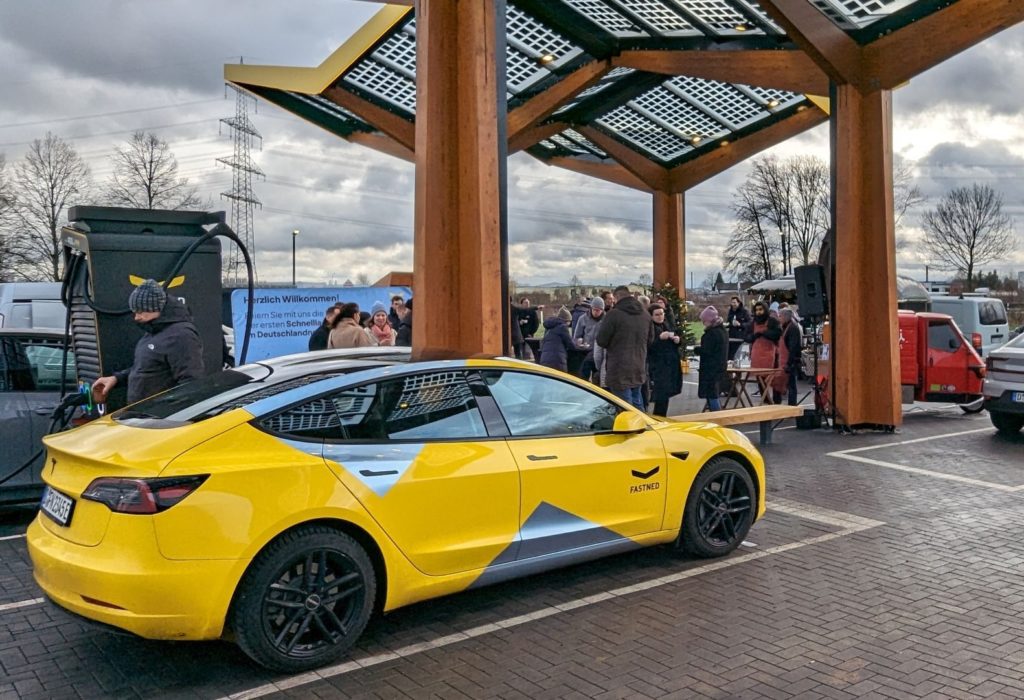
[(667, 119)]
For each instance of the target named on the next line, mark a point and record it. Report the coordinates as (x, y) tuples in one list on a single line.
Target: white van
[(981, 319), (31, 305)]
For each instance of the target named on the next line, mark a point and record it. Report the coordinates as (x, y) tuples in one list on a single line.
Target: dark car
[(30, 371)]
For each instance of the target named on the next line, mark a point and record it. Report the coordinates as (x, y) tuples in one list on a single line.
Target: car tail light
[(142, 496), (976, 340), (979, 371)]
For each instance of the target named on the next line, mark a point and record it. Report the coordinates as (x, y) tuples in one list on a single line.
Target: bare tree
[(905, 196), (752, 248), (46, 181), (145, 176), (8, 253), (968, 229), (363, 279)]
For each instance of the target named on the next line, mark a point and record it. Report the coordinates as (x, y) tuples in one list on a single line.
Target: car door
[(582, 486), (947, 367), (416, 452), (45, 358), (15, 421)]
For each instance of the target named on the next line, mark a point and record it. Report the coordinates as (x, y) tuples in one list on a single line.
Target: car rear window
[(992, 313)]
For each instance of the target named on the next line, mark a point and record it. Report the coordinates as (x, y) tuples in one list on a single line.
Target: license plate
[(1017, 397), (58, 506)]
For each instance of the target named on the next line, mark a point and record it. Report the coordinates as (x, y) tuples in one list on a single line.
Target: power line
[(107, 114)]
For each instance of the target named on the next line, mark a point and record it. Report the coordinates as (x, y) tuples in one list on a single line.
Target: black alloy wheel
[(305, 601), (719, 510)]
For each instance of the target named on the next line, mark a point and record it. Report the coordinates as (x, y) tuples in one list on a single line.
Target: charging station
[(108, 251)]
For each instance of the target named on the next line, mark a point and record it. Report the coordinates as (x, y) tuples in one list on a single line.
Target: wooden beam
[(397, 127), (717, 160), (911, 50), (383, 143), (670, 241), (529, 137), (542, 105), (458, 240), (832, 49), (609, 172), (865, 336), (782, 69), (652, 174)]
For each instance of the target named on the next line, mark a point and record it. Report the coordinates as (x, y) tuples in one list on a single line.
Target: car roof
[(48, 333)]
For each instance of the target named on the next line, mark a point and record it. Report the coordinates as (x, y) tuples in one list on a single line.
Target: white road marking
[(850, 456), (20, 604), (12, 537), (850, 523)]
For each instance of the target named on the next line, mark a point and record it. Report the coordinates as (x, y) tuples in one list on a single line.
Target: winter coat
[(714, 358), (579, 310), (169, 354), (663, 365), (789, 356), (516, 334), (626, 332), (349, 334), (586, 328), (318, 341), (741, 315), (404, 336), (764, 337), (556, 344), (528, 320), (393, 318)]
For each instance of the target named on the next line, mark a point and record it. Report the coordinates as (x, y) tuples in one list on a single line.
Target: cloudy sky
[(92, 71)]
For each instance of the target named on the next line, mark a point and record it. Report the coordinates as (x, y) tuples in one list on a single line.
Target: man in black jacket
[(789, 353), (736, 323), (318, 341), (169, 354)]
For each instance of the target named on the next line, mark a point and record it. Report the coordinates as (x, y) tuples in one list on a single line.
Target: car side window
[(431, 406), (45, 360), (942, 337), (535, 405), (15, 370)]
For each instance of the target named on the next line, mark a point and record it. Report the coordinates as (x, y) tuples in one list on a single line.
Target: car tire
[(720, 509), (976, 406), (305, 600), (1006, 423)]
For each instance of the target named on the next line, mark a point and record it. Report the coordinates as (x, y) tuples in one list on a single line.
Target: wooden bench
[(766, 416)]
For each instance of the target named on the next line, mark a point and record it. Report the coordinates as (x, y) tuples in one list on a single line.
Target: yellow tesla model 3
[(282, 503)]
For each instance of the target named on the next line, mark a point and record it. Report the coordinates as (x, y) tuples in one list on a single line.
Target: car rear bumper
[(126, 583), (1004, 404)]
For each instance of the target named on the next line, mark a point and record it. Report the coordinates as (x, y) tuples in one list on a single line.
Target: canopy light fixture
[(546, 59), (695, 140), (723, 143), (801, 108), (773, 104), (741, 27)]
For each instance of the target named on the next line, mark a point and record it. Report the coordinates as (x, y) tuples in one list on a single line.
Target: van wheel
[(305, 600), (1006, 423), (975, 406), (719, 509)]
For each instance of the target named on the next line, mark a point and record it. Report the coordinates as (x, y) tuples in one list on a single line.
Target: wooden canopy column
[(460, 189), (865, 334), (670, 241)]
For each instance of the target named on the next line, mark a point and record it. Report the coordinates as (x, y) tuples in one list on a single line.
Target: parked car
[(283, 502), (937, 363), (31, 305), (1004, 386), (30, 370), (982, 319)]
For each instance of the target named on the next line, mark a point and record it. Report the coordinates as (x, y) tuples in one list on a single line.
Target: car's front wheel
[(1006, 423), (305, 600), (719, 509)]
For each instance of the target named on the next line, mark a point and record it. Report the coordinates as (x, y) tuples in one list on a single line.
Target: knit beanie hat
[(709, 314), (378, 307), (563, 313), (597, 303), (773, 307), (148, 296)]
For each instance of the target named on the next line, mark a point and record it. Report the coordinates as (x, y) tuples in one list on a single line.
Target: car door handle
[(370, 472), (43, 411), (540, 458)]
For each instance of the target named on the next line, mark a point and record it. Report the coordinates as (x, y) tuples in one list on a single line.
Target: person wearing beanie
[(169, 353), (556, 343), (583, 336), (714, 358), (380, 329), (663, 361)]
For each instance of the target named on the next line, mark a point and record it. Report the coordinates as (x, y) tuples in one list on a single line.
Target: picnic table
[(738, 396)]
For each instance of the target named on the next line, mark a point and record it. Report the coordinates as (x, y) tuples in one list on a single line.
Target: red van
[(936, 361)]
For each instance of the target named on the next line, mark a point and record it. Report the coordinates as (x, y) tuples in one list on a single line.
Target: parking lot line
[(849, 523), (20, 604), (850, 456), (12, 537)]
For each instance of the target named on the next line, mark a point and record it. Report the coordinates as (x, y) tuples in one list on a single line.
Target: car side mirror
[(629, 422), (954, 344)]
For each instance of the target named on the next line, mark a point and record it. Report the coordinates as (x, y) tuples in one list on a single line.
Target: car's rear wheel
[(305, 600), (975, 406), (719, 509), (1006, 423)]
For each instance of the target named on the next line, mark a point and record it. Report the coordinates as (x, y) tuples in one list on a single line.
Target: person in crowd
[(346, 331), (404, 336), (364, 319), (583, 336), (609, 300), (645, 302), (168, 354), (580, 309), (529, 321), (556, 344), (380, 329), (397, 311), (789, 358), (515, 331), (763, 338), (773, 310), (714, 358), (670, 315), (737, 321), (625, 334), (663, 361), (318, 341)]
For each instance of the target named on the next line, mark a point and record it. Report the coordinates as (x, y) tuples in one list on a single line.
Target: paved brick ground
[(928, 604)]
